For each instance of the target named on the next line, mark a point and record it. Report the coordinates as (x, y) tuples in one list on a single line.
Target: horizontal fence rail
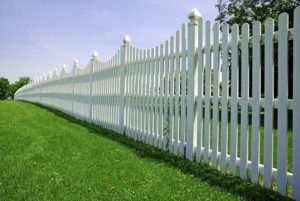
[(225, 96)]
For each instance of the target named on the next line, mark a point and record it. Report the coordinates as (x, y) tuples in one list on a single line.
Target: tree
[(4, 88), (222, 10), (18, 84), (247, 11)]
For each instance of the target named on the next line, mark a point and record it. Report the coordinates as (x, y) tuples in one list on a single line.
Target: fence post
[(124, 52), (76, 63), (192, 82), (94, 58)]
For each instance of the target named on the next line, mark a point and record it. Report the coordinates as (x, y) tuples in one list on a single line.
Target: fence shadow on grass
[(230, 183)]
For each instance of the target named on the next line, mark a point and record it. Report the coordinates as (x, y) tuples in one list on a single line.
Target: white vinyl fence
[(170, 97)]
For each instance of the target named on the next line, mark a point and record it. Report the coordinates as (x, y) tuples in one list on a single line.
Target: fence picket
[(215, 71), (177, 91), (151, 88), (207, 94), (161, 91), (256, 71), (132, 98), (128, 93), (156, 116), (143, 84), (140, 95), (269, 95), (171, 99), (166, 96), (234, 98), (282, 103), (136, 82), (244, 101), (183, 90), (224, 121), (147, 95)]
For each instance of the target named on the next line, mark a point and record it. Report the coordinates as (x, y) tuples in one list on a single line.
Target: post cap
[(126, 39), (76, 61), (95, 54), (64, 67), (194, 14)]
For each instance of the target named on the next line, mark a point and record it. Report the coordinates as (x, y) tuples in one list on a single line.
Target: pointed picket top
[(194, 14), (126, 40)]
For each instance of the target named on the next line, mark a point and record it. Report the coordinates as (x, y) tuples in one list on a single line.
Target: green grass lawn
[(47, 155)]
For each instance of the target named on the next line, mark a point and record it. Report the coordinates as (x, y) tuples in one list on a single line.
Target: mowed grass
[(47, 155)]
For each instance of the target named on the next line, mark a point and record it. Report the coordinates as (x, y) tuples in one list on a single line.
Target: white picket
[(127, 92), (109, 94), (256, 71), (156, 100), (171, 99), (143, 95), (234, 98), (282, 103), (224, 121), (244, 101), (151, 94), (161, 93), (136, 113), (140, 95), (177, 91), (207, 93), (200, 90), (132, 73), (215, 125), (166, 96), (147, 95), (133, 97), (269, 95), (183, 90)]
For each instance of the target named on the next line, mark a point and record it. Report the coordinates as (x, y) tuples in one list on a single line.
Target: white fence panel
[(170, 96)]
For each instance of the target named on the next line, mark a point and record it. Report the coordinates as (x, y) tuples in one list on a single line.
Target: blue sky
[(39, 35)]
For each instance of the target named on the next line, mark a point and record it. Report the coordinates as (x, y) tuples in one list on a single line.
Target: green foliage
[(4, 88), (48, 155), (247, 11), (18, 84), (222, 10), (8, 90)]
